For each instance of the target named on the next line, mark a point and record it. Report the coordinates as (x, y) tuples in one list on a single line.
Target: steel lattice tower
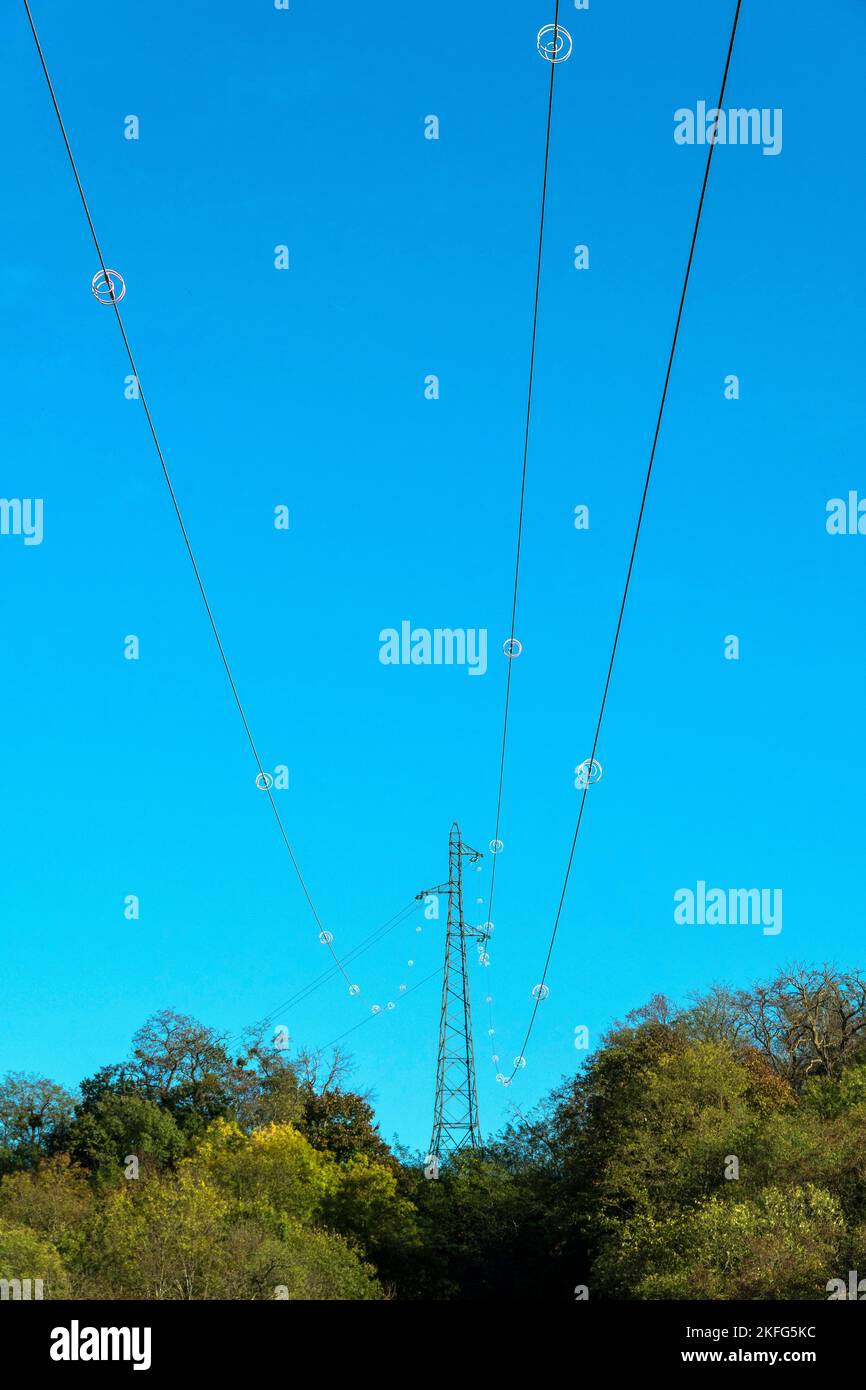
[(455, 1112)]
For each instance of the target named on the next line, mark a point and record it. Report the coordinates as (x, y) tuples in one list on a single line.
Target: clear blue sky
[(305, 387)]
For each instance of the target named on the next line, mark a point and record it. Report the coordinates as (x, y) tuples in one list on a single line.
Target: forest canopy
[(706, 1151)]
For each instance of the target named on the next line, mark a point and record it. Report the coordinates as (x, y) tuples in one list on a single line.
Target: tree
[(188, 1071), (807, 1022), (363, 1202), (275, 1166), (274, 1097), (341, 1123), (52, 1200), (485, 1233), (33, 1111), (120, 1125), (782, 1244), (713, 1151), (25, 1255), (181, 1236)]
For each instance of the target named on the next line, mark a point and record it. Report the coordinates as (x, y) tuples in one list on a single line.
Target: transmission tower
[(455, 1112)]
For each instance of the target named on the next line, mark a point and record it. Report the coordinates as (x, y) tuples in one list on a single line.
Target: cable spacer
[(551, 41), (588, 773), (105, 285)]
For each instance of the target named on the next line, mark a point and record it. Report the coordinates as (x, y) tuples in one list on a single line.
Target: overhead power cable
[(533, 338), (369, 1019), (265, 782), (368, 942), (539, 989)]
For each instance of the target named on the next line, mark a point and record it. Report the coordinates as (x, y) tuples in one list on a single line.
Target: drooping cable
[(305, 991), (265, 783), (511, 641), (539, 989), (369, 1019)]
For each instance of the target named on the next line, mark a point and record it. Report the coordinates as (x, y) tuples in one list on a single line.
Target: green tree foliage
[(364, 1201), (713, 1151), (275, 1166), (53, 1199), (186, 1069), (25, 1255), (277, 1170), (118, 1124), (484, 1232), (178, 1236), (33, 1112), (783, 1244), (342, 1124)]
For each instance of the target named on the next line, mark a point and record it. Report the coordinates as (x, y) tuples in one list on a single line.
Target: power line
[(511, 639), (510, 645), (324, 936), (369, 1019), (671, 355), (368, 942)]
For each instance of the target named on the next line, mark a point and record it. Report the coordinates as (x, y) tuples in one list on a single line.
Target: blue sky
[(305, 387)]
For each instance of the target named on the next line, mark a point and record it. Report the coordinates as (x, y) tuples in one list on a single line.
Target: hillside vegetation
[(716, 1151)]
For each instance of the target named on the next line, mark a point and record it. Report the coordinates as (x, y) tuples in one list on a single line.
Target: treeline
[(715, 1151)]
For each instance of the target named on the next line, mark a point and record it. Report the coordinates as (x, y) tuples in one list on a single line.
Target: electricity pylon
[(455, 1111)]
